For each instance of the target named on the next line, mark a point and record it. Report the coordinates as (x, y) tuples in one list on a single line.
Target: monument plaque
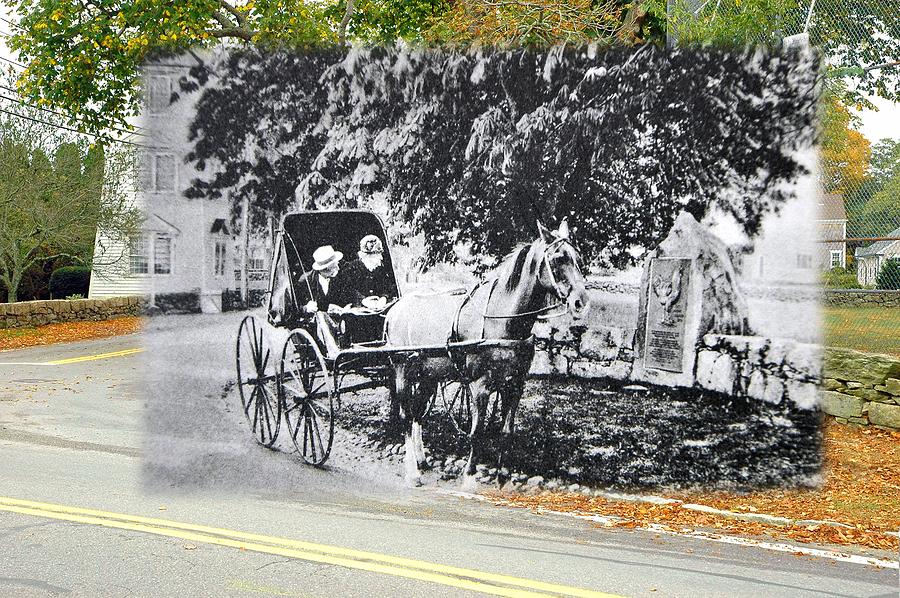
[(667, 299)]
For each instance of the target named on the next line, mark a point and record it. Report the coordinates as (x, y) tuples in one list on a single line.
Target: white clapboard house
[(871, 258), (187, 255)]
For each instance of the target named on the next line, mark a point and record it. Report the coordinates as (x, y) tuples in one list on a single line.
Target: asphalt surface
[(151, 435)]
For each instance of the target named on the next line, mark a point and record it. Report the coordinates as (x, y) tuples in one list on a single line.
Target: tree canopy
[(460, 141), (83, 56)]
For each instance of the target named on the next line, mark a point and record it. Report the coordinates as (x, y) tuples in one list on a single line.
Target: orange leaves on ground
[(19, 338), (861, 491)]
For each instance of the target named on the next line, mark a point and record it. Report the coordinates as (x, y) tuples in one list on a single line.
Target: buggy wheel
[(307, 398), (256, 382), (457, 400)]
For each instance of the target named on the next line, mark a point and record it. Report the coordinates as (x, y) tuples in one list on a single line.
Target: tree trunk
[(12, 288)]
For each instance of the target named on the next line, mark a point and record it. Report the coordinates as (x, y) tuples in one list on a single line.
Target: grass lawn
[(869, 329)]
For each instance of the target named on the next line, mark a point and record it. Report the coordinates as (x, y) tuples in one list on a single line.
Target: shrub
[(840, 278), (70, 280), (889, 275), (75, 297)]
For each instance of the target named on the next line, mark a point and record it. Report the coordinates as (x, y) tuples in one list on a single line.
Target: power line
[(12, 62), (43, 122), (60, 114), (13, 23)]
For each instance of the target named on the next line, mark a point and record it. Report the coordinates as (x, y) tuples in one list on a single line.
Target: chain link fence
[(858, 250)]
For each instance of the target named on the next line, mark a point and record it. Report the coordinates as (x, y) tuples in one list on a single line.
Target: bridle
[(542, 312)]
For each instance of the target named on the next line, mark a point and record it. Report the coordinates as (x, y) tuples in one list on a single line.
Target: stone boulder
[(723, 308), (867, 368)]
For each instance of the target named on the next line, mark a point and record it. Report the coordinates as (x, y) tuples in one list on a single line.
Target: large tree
[(83, 56), (871, 204), (472, 146), (56, 192)]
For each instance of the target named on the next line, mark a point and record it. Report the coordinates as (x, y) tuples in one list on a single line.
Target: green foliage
[(873, 207), (725, 23), (55, 193), (889, 275), (83, 55), (529, 138), (840, 278), (74, 297), (70, 280)]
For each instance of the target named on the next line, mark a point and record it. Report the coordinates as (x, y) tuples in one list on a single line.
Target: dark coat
[(363, 282), (338, 292)]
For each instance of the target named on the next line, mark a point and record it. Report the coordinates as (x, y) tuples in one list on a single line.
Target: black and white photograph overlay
[(482, 268)]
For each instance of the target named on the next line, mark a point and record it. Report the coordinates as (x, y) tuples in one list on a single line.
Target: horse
[(502, 309)]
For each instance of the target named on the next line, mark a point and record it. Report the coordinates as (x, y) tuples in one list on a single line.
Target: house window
[(162, 254), (804, 261), (139, 258), (255, 260), (835, 258), (158, 173), (151, 254), (159, 93), (219, 265)]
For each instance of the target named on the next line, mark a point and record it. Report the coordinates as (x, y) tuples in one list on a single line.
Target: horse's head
[(560, 271)]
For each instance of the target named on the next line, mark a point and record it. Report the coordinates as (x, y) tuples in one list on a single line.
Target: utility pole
[(245, 249)]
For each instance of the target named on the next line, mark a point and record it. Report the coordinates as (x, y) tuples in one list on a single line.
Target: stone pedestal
[(688, 289)]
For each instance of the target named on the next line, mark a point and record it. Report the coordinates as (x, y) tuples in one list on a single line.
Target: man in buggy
[(316, 301)]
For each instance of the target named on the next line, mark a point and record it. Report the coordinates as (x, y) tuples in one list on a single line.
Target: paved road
[(145, 442)]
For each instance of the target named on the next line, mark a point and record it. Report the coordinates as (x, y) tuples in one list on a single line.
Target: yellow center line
[(122, 353), (468, 579)]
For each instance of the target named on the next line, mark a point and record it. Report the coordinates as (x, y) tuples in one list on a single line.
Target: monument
[(688, 289)]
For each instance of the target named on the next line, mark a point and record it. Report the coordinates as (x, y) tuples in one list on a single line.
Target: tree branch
[(342, 30), (232, 32), (241, 19)]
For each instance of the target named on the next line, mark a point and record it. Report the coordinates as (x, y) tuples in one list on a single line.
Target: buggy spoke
[(255, 412), (315, 421), (267, 413), (250, 401)]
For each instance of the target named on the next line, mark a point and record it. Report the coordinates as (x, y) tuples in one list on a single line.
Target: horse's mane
[(513, 265)]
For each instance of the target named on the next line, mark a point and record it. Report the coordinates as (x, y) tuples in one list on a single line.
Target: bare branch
[(241, 19)]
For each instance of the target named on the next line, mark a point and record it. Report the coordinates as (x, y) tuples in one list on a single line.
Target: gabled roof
[(155, 224), (832, 207), (878, 247), (219, 227)]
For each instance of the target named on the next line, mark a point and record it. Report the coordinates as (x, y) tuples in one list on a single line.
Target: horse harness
[(457, 358)]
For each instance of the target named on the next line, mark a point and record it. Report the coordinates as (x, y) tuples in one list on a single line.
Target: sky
[(885, 123)]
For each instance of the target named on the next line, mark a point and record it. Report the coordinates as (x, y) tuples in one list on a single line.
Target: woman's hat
[(370, 244), (325, 256)]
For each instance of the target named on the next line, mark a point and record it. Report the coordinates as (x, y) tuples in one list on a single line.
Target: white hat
[(325, 256)]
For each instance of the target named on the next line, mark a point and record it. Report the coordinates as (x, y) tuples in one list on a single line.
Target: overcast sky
[(875, 125)]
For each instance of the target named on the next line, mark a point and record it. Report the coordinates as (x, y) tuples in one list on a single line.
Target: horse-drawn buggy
[(473, 349)]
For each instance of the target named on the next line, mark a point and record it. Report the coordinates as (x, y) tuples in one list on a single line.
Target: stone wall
[(760, 368), (861, 298), (861, 388), (764, 369), (37, 313), (596, 352)]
